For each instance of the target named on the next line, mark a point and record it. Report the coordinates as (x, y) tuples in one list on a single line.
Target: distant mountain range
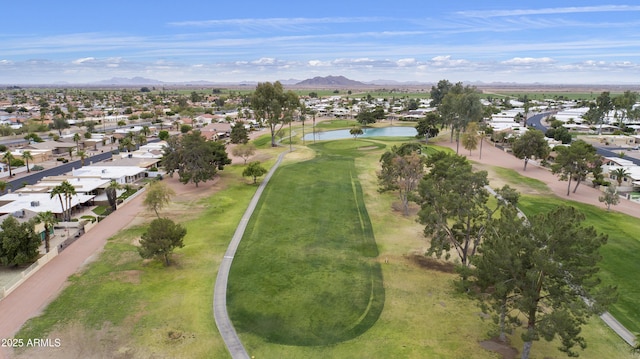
[(330, 81), (127, 81)]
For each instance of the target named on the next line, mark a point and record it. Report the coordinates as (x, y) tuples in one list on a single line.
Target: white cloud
[(318, 63), (406, 62), (548, 11), (273, 22), (446, 61), (528, 61), (83, 60)]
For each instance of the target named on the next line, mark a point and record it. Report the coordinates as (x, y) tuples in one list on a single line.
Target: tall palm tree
[(76, 139), (49, 220), (83, 156), (66, 190), (26, 156), (126, 143), (8, 158), (111, 193), (141, 139), (620, 173), (3, 186)]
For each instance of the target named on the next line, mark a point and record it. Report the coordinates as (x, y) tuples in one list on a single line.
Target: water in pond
[(393, 131)]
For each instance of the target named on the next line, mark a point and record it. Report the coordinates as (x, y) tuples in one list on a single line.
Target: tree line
[(538, 272)]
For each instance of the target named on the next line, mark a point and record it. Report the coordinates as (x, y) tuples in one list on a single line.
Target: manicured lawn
[(305, 272), (514, 178), (335, 124), (413, 312), (620, 263), (163, 312)]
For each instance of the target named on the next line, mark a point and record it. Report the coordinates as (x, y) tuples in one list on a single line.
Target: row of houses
[(89, 182)]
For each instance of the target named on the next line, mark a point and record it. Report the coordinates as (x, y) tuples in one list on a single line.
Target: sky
[(543, 41)]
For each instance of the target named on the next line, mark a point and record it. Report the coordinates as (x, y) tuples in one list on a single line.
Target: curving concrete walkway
[(225, 327)]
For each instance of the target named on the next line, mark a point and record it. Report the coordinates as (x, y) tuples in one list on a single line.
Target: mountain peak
[(330, 81)]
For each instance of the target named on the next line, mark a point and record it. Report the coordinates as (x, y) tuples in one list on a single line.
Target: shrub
[(37, 168)]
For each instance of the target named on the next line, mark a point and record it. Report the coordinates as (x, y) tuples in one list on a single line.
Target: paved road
[(227, 331), (536, 121)]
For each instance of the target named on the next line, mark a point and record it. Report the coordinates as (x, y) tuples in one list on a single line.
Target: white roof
[(38, 202), (81, 184), (108, 172)]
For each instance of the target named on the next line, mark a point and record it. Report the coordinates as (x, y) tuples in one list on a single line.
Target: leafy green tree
[(470, 137), (184, 128), (26, 155), (239, 133), (604, 104), (460, 106), (194, 158), (439, 91), (526, 106), (160, 240), (33, 137), (427, 126), (401, 171), (610, 197), (19, 242), (550, 263), (255, 170), (60, 124), (48, 219), (574, 162), (368, 116), (244, 150), (624, 106), (157, 196), (355, 132), (163, 135), (530, 144), (65, 192), (494, 270), (454, 205), (273, 106)]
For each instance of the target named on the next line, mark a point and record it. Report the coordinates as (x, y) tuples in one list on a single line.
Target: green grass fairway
[(305, 272), (620, 263)]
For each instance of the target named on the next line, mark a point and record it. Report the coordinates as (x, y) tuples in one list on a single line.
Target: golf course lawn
[(326, 270), (306, 271)]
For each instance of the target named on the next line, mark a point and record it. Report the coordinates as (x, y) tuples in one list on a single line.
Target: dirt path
[(493, 156), (40, 289)]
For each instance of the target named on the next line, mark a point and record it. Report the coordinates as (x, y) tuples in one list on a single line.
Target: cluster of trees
[(275, 106), (19, 242), (369, 116), (623, 106), (458, 106), (194, 158), (538, 272)]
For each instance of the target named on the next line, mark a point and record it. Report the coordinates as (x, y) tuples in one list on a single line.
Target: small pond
[(393, 131)]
